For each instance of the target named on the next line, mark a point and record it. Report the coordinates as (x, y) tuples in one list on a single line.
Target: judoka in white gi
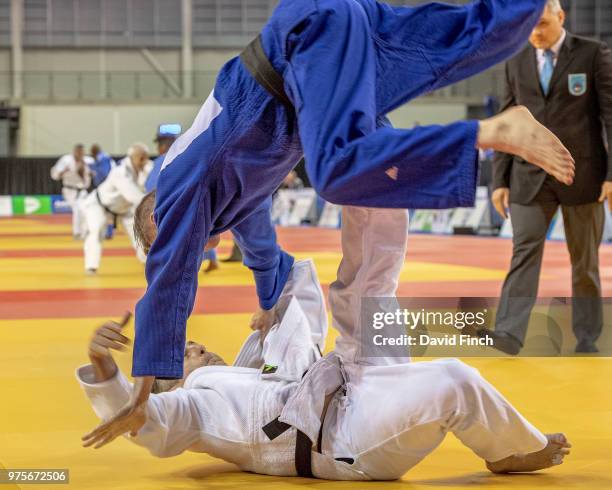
[(362, 418), (74, 171), (115, 198)]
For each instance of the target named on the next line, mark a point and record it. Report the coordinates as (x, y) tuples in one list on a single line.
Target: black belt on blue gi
[(257, 63), (115, 215)]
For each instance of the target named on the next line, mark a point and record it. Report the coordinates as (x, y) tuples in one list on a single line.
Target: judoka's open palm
[(130, 419), (132, 416)]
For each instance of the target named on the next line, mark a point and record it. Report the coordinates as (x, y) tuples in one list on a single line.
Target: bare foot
[(517, 132), (213, 265), (552, 455)]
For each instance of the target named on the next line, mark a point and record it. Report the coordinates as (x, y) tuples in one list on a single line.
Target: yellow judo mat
[(43, 412)]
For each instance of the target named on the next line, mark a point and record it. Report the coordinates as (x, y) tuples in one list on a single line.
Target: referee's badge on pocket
[(577, 83)]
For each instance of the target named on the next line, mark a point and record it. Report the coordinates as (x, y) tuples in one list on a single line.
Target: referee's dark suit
[(577, 108)]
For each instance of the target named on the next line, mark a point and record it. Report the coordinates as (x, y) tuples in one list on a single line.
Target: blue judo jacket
[(345, 63), (102, 167)]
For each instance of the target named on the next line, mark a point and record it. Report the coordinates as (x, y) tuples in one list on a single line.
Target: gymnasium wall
[(87, 73), (52, 129)]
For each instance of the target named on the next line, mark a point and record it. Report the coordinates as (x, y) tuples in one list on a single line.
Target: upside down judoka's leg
[(431, 46), (352, 63), (95, 220), (373, 252), (397, 415)]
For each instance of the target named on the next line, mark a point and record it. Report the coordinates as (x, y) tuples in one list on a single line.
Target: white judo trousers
[(75, 182), (96, 219), (396, 412), (75, 199), (373, 252), (120, 192)]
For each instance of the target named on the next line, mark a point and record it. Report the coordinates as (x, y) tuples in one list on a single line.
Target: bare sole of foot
[(517, 132), (552, 455)]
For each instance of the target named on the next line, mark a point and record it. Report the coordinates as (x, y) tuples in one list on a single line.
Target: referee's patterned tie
[(547, 70)]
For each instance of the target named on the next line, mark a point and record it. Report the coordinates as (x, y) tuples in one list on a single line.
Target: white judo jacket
[(221, 409), (71, 179), (123, 189)]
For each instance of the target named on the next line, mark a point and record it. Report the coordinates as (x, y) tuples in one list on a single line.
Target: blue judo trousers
[(345, 64)]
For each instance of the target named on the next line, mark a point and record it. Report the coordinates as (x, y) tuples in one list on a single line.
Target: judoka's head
[(163, 144), (95, 150), (196, 356), (550, 26), (145, 229), (139, 155), (78, 152)]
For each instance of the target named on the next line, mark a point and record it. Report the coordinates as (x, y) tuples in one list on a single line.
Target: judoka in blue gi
[(103, 164), (343, 65)]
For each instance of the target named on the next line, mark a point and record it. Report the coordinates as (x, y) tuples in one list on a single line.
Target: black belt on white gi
[(303, 445), (71, 187), (115, 215)]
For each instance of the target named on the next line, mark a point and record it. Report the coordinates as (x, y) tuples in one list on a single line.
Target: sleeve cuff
[(106, 397), (468, 161), (163, 371), (284, 268)]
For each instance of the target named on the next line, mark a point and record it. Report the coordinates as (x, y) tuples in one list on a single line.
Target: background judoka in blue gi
[(103, 164), (344, 64)]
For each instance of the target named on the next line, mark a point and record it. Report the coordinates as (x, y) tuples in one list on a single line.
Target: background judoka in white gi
[(384, 413), (74, 171), (120, 192)]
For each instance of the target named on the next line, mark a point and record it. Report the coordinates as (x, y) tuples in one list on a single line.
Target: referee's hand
[(606, 193), (501, 200)]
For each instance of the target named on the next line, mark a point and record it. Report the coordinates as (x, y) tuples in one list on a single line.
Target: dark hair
[(141, 216)]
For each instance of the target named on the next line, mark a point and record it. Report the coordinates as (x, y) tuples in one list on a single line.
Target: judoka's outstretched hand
[(262, 320), (106, 338), (132, 416), (129, 419)]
